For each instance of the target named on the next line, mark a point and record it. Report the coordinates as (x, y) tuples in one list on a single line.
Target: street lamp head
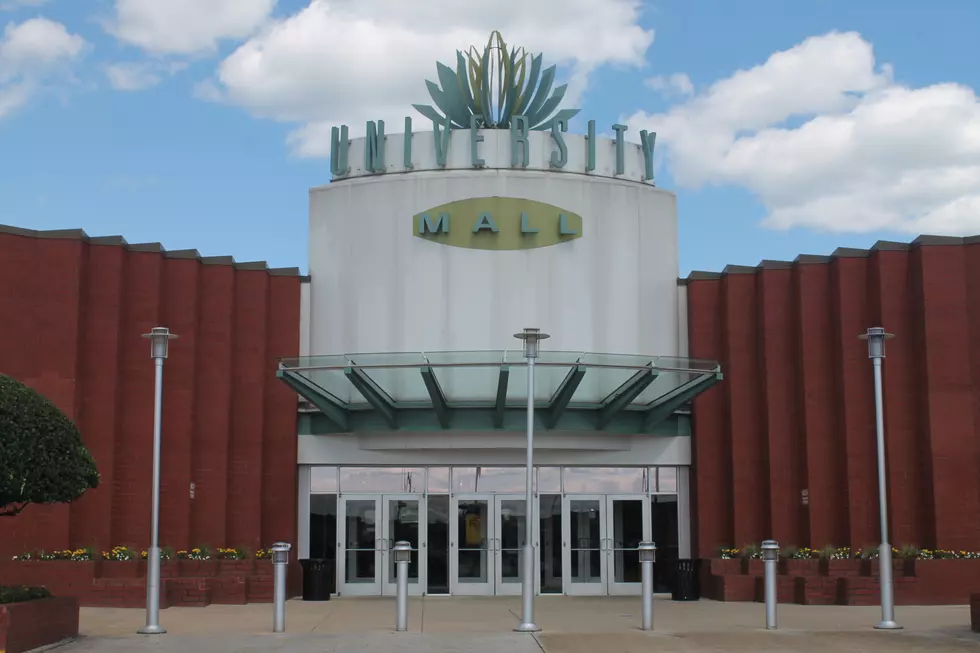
[(770, 550), (280, 552), (876, 337), (648, 552), (531, 338), (403, 551), (160, 338)]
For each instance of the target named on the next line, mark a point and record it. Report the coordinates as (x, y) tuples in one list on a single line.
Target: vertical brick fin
[(952, 441), (750, 483), (826, 476), (922, 390), (249, 367), (778, 403), (892, 308), (98, 390), (179, 314), (855, 400), (212, 428), (712, 472), (134, 440), (972, 266), (279, 442)]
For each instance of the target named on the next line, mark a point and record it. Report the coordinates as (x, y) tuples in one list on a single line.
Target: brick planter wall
[(28, 625), (975, 613), (183, 583)]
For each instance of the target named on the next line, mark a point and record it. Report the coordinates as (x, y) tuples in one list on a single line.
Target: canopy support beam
[(665, 406), (374, 395), (313, 393), (439, 403), (500, 406), (624, 395), (559, 401)]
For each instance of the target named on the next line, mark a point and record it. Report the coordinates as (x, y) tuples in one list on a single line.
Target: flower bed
[(30, 617)]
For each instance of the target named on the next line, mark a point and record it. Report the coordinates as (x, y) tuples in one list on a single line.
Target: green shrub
[(42, 456), (16, 594)]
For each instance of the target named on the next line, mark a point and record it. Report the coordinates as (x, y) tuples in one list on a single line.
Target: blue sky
[(839, 151)]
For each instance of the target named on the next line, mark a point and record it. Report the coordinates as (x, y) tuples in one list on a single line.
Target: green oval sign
[(497, 223)]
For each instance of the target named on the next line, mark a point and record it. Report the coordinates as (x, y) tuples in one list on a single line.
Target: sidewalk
[(569, 625)]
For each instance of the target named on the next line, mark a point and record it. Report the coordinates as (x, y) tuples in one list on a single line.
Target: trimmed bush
[(19, 594)]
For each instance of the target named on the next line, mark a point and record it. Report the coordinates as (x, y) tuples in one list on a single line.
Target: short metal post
[(770, 556), (403, 554), (280, 558), (648, 554)]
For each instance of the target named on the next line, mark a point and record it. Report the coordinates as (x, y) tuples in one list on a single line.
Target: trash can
[(318, 579), (686, 581)]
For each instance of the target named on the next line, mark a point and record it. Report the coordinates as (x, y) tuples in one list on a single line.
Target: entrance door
[(584, 533), (627, 524), (404, 519), (360, 543), (509, 535), (471, 551)]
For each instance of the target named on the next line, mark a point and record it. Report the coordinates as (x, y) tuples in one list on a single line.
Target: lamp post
[(876, 337), (531, 338), (160, 338), (280, 558), (403, 555)]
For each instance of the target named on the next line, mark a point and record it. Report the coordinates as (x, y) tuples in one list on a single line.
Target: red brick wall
[(74, 310), (32, 624), (796, 408)]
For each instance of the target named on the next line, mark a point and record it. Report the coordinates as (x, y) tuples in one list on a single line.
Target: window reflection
[(621, 480), (666, 479), (382, 479), (323, 479), (489, 479), (439, 480)]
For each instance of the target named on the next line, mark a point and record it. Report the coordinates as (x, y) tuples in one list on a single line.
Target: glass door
[(471, 553), (359, 541), (627, 524), (404, 519), (584, 535), (510, 533)]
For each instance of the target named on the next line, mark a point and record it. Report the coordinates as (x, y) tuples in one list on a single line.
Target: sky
[(783, 127)]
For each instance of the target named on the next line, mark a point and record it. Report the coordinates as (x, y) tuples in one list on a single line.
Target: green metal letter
[(648, 140), (525, 227), (590, 142), (442, 142), (475, 137), (408, 143), (620, 157), (374, 147), (485, 221), (560, 156), (563, 228), (441, 224), (339, 145), (518, 136)]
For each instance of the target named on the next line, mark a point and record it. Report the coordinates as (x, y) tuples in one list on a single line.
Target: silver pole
[(401, 598), (527, 582), (647, 588), (885, 551), (152, 626), (771, 594), (279, 598)]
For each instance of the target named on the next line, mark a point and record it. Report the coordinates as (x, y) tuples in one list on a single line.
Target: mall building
[(383, 396)]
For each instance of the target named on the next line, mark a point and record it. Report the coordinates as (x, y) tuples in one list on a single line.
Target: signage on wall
[(503, 87), (499, 223)]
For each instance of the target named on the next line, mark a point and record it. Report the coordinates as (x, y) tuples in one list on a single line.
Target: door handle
[(377, 545)]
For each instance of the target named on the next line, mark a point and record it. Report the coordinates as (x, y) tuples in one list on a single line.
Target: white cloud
[(828, 141), (676, 84), (32, 53), (348, 61), (140, 75), (186, 27), (12, 5)]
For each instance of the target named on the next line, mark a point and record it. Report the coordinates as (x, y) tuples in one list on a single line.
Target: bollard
[(770, 556), (403, 554), (280, 558), (648, 555)]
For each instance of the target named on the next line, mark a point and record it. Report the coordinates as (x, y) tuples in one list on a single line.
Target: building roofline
[(840, 252), (119, 241)]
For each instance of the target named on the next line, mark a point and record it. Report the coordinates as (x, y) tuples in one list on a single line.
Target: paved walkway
[(569, 625)]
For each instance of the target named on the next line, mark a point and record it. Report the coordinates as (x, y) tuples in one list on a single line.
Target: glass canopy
[(394, 384)]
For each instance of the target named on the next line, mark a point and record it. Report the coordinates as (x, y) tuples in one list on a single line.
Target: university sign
[(498, 223), (498, 89)]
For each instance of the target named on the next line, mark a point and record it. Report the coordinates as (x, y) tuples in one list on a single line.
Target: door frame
[(614, 588), (358, 589), (389, 587), (471, 589), (500, 587), (582, 589)]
